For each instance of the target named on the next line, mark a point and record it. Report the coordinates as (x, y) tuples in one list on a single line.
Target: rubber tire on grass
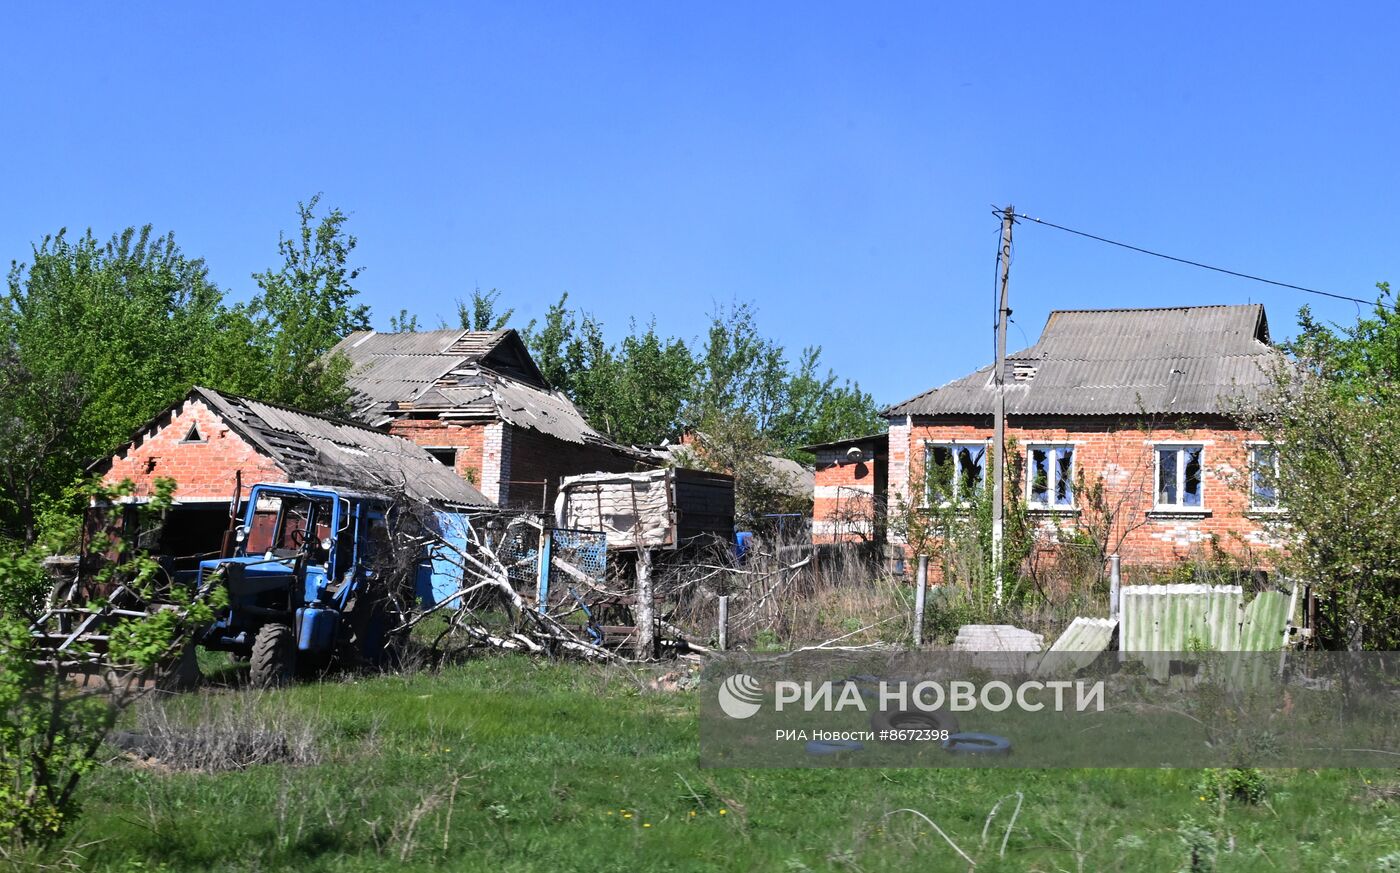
[(978, 744), (913, 720), (273, 662)]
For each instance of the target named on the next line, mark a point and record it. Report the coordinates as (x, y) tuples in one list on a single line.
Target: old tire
[(273, 662), (913, 720), (978, 744)]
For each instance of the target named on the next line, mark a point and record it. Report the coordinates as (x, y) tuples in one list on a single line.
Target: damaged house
[(1128, 414), (210, 443), (476, 401)]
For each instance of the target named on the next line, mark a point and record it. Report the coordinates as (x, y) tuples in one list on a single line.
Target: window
[(193, 436), (1263, 476), (1179, 477), (446, 457), (1050, 476), (953, 472)]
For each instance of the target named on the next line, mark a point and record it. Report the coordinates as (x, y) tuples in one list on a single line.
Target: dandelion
[(692, 813), (646, 824), (724, 812), (627, 815)]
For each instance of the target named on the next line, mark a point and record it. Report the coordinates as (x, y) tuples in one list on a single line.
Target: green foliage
[(48, 738), (634, 390), (404, 322), (648, 388), (1336, 420), (96, 337), (303, 309), (1245, 785), (480, 313), (50, 729)]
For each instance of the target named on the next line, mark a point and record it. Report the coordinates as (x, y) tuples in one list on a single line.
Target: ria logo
[(740, 696)]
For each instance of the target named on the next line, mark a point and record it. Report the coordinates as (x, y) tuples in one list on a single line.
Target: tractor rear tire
[(273, 662)]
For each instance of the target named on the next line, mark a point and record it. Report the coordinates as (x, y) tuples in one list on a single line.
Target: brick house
[(1141, 401), (850, 487), (476, 401), (209, 441)]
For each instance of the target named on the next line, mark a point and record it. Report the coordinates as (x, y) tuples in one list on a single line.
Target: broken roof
[(395, 368), (1181, 360), (456, 374), (329, 451)]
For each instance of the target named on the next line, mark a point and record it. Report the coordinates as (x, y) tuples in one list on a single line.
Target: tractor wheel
[(273, 662)]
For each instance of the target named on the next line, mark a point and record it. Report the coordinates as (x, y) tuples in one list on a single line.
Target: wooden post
[(646, 608), (919, 595), (1115, 584), (723, 634)]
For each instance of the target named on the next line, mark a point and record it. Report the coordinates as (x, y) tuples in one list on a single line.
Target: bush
[(49, 733), (1244, 785)]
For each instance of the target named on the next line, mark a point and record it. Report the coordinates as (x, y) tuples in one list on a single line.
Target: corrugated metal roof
[(1200, 359), (486, 394), (391, 368), (363, 344), (327, 451)]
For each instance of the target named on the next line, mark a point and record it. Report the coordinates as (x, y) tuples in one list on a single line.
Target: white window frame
[(1052, 478), (1180, 505), (953, 446), (1254, 446)]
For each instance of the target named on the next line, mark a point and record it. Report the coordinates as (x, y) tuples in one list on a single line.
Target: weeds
[(219, 733)]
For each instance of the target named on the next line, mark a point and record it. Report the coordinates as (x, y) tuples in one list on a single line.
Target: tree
[(404, 322), (38, 417), (305, 306), (94, 339), (635, 390), (480, 313), (819, 410), (741, 372), (1334, 422)]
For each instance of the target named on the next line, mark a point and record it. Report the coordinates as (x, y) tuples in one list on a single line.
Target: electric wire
[(1203, 266)]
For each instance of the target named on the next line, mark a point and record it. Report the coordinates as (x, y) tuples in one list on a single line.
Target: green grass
[(569, 767)]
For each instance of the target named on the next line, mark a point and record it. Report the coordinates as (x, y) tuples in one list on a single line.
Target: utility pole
[(1008, 218)]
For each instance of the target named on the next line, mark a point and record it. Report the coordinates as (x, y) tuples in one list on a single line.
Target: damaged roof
[(457, 374), (1181, 360), (395, 368), (487, 395), (329, 451)]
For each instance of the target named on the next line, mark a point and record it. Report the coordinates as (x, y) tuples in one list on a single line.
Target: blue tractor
[(313, 578)]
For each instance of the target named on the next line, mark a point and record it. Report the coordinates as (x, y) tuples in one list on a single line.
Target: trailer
[(667, 509)]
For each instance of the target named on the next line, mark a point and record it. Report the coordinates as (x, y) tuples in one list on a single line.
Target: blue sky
[(835, 164)]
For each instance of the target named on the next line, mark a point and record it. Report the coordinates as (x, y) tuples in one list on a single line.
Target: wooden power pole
[(1008, 218)]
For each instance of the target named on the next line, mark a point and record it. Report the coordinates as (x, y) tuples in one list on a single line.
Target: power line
[(1235, 273)]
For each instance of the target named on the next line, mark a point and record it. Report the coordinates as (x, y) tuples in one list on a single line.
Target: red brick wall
[(535, 458), (467, 439), (844, 499), (1122, 454), (202, 470)]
